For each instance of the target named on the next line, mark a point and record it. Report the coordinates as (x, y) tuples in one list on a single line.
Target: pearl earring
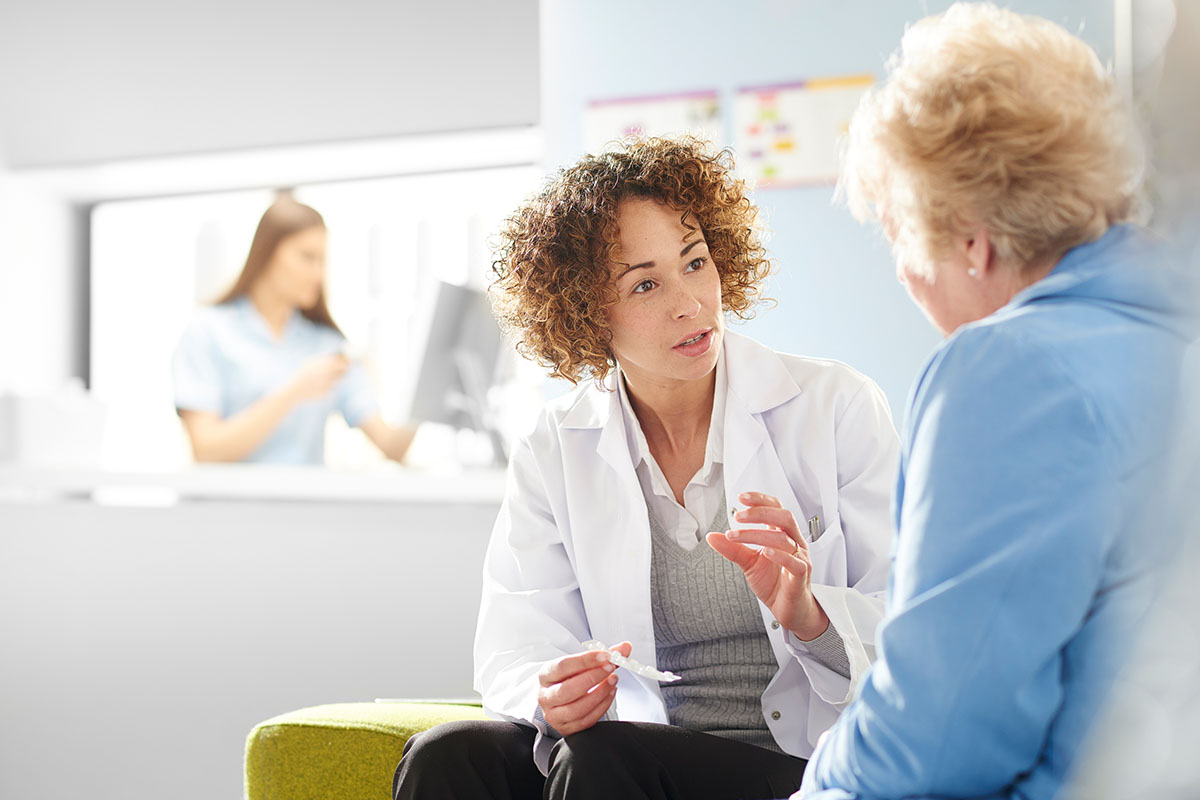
[(972, 272)]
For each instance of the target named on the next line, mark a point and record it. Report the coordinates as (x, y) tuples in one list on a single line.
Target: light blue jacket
[(1033, 446)]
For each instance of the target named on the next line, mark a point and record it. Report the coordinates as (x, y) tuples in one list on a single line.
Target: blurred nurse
[(258, 374)]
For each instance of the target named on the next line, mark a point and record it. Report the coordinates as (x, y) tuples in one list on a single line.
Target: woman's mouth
[(695, 345)]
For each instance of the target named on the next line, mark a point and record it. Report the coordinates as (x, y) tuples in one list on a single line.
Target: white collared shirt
[(704, 493), (702, 499)]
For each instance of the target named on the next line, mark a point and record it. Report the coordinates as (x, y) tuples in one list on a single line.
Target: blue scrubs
[(229, 358)]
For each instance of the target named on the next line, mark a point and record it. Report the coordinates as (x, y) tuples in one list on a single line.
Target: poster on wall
[(607, 121), (788, 134)]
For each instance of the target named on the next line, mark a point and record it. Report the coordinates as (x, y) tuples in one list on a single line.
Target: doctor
[(622, 271)]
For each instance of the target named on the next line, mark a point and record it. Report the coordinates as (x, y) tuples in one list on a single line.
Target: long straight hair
[(285, 217)]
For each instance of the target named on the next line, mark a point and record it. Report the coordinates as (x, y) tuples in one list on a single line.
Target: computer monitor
[(460, 355)]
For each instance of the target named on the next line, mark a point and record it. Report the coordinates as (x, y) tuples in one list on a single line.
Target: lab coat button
[(775, 715), (775, 624)]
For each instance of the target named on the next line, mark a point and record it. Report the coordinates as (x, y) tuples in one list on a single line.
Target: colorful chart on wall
[(788, 134), (607, 121)]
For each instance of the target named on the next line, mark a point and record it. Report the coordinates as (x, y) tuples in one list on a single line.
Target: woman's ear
[(977, 250)]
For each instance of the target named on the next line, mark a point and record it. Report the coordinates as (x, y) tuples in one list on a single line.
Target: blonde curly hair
[(555, 255), (990, 117)]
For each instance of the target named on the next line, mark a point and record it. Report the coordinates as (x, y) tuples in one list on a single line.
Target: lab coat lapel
[(612, 541), (758, 382), (599, 409)]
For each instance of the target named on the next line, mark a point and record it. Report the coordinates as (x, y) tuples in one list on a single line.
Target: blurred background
[(142, 594)]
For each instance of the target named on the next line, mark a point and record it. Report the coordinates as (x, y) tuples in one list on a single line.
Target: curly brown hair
[(555, 254)]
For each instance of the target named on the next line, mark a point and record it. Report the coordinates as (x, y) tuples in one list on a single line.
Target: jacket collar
[(757, 381)]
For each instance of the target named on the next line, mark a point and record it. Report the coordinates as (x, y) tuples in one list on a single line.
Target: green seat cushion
[(343, 750)]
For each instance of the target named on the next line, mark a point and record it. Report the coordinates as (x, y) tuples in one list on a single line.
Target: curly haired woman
[(619, 277)]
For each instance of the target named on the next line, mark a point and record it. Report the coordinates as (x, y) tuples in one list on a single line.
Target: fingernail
[(612, 679), (733, 536), (609, 667)]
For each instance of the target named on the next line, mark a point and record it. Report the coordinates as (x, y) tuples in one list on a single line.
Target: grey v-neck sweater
[(708, 629)]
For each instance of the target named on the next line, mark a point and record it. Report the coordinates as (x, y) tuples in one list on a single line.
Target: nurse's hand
[(575, 691), (778, 574), (317, 377)]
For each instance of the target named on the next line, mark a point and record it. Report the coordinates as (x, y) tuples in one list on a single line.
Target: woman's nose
[(687, 305)]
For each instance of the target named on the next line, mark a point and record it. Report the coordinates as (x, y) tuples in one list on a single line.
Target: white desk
[(385, 484), (143, 640)]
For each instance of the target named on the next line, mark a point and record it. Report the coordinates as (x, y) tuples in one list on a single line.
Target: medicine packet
[(634, 666)]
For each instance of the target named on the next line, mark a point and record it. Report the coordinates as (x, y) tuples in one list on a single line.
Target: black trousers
[(492, 760)]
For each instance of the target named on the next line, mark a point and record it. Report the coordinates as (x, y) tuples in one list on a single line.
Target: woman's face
[(948, 298), (945, 288), (296, 271), (667, 324)]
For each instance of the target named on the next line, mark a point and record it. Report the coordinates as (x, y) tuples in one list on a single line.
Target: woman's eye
[(696, 263), (643, 286)]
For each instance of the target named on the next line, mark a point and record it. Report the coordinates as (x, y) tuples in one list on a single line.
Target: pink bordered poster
[(788, 134), (613, 119)]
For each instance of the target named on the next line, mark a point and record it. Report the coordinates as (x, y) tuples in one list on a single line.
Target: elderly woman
[(999, 163), (619, 275)]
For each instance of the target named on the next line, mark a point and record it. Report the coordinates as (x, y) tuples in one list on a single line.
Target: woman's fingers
[(592, 717), (767, 515), (797, 564), (577, 690), (739, 554), (759, 499), (777, 539), (774, 547), (583, 712), (575, 687), (560, 669)]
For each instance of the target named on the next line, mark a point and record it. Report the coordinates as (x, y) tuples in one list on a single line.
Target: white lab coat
[(569, 558)]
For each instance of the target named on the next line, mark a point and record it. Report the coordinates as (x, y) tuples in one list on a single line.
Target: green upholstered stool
[(344, 750)]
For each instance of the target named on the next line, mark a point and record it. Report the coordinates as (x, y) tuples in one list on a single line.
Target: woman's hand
[(393, 441), (215, 438), (317, 376), (575, 691), (780, 573)]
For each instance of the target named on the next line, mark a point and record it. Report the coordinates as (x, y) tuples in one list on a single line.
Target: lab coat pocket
[(828, 555)]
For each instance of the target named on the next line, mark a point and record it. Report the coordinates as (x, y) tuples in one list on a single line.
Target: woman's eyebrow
[(646, 264), (628, 270)]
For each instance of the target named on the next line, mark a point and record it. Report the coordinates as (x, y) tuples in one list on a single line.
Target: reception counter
[(387, 483), (150, 620)]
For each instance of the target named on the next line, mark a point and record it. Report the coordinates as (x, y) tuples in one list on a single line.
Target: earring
[(972, 272)]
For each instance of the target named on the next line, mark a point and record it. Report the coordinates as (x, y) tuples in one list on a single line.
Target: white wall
[(42, 292), (83, 82), (837, 293)]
